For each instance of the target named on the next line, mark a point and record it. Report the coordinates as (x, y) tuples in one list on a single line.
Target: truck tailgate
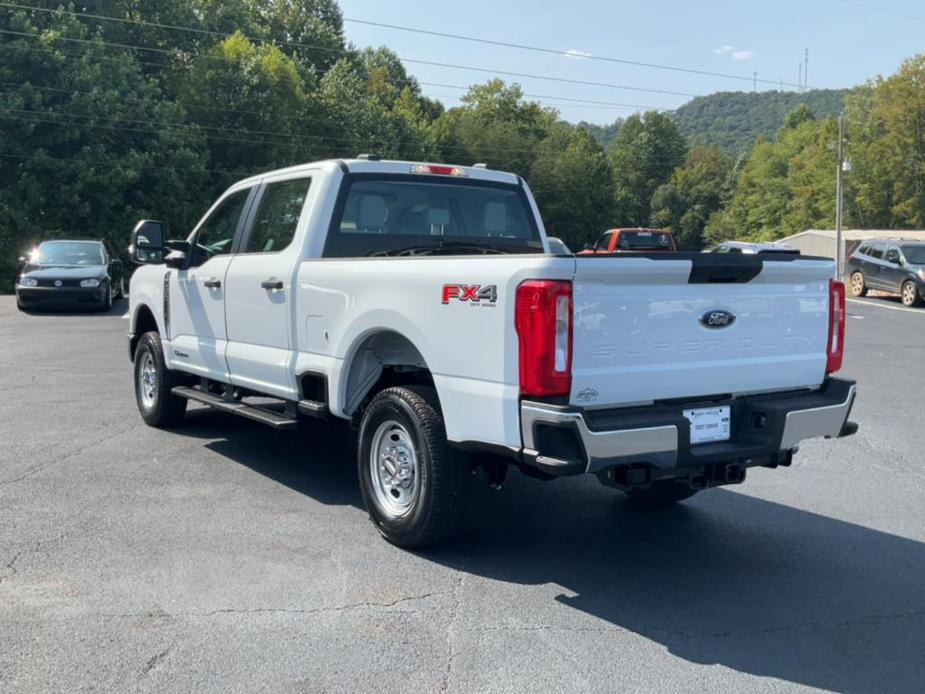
[(642, 326)]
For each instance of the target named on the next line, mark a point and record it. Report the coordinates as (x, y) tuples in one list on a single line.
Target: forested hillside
[(732, 120)]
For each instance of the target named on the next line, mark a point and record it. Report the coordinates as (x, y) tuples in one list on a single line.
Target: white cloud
[(742, 55), (575, 54), (722, 50)]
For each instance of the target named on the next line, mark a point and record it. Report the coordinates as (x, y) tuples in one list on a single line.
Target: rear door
[(695, 325), (260, 289), (892, 273), (196, 296), (874, 269)]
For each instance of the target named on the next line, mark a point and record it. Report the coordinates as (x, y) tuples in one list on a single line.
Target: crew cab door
[(195, 317), (260, 288)]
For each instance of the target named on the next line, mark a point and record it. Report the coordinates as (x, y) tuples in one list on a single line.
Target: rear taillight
[(543, 318), (835, 350)]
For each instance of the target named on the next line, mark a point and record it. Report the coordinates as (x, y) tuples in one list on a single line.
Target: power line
[(416, 61), (410, 81), (555, 51), (884, 10)]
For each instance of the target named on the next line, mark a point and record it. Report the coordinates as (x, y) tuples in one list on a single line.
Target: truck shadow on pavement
[(725, 578)]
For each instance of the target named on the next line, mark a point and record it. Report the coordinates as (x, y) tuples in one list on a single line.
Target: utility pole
[(755, 88), (839, 200), (800, 78), (806, 69)]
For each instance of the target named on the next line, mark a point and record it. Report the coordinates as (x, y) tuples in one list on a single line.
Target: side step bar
[(258, 414)]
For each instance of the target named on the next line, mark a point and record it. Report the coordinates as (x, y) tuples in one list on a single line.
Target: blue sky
[(849, 42)]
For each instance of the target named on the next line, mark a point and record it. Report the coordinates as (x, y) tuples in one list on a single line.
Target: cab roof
[(372, 165)]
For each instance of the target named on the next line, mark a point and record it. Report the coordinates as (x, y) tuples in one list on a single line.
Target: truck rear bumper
[(765, 430)]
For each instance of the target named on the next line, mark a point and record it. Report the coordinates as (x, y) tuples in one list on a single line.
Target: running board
[(258, 414)]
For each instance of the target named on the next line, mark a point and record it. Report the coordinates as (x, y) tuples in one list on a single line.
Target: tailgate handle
[(719, 269)]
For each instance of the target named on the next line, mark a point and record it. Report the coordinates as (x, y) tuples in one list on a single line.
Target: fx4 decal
[(485, 295)]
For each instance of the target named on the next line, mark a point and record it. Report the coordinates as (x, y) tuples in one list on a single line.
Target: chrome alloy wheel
[(909, 294), (857, 283), (147, 380), (393, 467)]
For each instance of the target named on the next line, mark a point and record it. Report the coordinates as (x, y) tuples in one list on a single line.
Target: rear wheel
[(415, 485), (158, 406), (662, 493), (857, 284), (910, 294)]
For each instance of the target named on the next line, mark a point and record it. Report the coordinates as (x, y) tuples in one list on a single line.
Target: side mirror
[(148, 243)]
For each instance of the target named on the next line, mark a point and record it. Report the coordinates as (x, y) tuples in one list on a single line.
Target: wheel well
[(383, 359), (144, 323)]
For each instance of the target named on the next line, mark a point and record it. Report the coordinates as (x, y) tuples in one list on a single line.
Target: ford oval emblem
[(58, 283), (717, 319)]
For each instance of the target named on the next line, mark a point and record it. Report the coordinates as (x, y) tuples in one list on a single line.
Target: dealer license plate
[(708, 424)]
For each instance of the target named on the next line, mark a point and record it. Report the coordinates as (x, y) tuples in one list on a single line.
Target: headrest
[(372, 212), (495, 221)]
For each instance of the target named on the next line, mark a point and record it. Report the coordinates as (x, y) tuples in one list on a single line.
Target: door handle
[(272, 284), (213, 283)]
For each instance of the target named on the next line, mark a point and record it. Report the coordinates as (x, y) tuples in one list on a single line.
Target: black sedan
[(71, 274)]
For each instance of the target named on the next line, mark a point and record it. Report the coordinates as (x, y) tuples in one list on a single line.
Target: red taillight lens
[(835, 350), (543, 318)]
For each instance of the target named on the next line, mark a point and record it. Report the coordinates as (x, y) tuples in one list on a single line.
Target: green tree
[(90, 144), (785, 187), (692, 195), (573, 186), (647, 150), (265, 107)]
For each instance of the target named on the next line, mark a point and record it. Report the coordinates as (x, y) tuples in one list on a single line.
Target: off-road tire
[(164, 409), (443, 473)]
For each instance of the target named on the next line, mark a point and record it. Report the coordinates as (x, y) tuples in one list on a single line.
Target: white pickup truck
[(421, 302)]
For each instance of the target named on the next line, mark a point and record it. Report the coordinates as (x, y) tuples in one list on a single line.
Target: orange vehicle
[(632, 241)]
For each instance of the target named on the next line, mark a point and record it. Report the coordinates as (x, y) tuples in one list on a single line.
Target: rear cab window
[(645, 240), (380, 215)]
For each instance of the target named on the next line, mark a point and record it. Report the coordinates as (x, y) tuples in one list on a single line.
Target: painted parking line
[(889, 307)]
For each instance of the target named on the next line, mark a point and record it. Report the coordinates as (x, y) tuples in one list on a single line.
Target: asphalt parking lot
[(226, 557)]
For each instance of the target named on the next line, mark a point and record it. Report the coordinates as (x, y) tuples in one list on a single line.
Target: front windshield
[(914, 254), (68, 253)]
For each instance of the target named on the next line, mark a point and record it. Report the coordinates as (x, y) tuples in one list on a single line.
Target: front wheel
[(857, 285), (415, 485), (910, 294), (154, 382)]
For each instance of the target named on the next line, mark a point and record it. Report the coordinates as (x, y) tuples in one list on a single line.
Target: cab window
[(277, 216), (215, 235)]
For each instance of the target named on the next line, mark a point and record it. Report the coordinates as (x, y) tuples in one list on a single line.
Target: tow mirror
[(148, 243)]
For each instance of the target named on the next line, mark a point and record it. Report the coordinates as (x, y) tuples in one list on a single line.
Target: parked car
[(420, 302), (889, 265), (633, 241), (752, 248), (74, 273), (557, 246)]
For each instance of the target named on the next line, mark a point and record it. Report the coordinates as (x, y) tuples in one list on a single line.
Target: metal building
[(821, 242)]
